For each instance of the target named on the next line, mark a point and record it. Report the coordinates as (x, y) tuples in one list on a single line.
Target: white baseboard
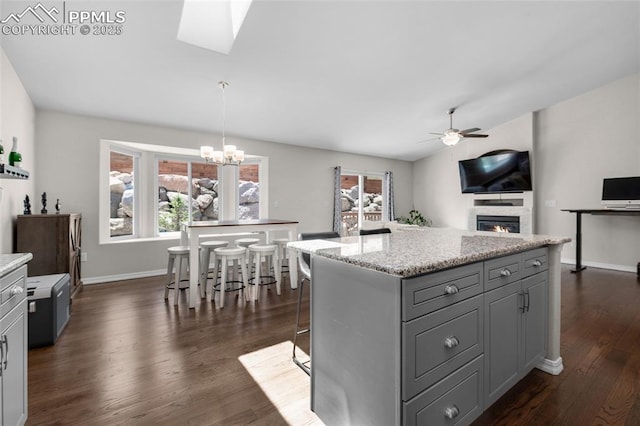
[(622, 268), (553, 367), (120, 277)]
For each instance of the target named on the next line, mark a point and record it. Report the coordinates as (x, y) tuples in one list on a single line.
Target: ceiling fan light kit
[(450, 137)]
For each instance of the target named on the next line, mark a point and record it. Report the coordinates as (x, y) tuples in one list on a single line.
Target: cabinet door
[(503, 321), (13, 332), (75, 244), (534, 341)]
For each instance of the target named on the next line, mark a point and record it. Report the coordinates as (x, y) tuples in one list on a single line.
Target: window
[(361, 198), (249, 192), (168, 186), (122, 170)]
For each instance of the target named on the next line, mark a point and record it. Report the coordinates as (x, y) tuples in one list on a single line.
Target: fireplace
[(498, 223)]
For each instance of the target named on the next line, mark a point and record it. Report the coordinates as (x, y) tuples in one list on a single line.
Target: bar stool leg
[(169, 274), (277, 266), (204, 271), (297, 332), (245, 280), (211, 288), (176, 285), (256, 276), (223, 281)]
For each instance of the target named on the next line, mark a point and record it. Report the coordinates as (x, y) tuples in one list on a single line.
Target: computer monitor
[(621, 192)]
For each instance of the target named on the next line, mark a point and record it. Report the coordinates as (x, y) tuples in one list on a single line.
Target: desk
[(579, 213), (192, 232)]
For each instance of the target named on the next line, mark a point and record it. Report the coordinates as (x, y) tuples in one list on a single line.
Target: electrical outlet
[(83, 257), (549, 203)]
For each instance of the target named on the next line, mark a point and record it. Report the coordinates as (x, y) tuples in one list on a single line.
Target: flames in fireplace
[(499, 228), (498, 223)]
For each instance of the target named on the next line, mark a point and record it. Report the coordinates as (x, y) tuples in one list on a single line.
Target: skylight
[(212, 24)]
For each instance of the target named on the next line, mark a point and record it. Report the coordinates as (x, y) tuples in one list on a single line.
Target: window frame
[(361, 175), (145, 181)]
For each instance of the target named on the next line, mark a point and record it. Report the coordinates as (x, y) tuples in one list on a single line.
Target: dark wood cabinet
[(54, 240)]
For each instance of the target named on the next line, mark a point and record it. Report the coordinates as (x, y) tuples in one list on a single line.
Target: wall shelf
[(10, 172)]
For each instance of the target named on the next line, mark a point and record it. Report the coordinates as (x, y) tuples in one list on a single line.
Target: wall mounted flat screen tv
[(496, 171)]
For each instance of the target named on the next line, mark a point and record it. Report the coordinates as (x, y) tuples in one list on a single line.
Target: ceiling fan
[(452, 136)]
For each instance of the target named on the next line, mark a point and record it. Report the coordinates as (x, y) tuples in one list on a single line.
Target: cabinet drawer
[(427, 293), (501, 271), (436, 344), (10, 293), (534, 261), (455, 400)]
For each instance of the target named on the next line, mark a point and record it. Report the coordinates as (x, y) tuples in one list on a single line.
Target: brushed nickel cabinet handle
[(451, 342), (451, 289), (505, 273), (537, 263), (451, 412)]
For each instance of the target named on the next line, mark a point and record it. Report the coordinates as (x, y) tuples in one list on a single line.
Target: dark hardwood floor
[(127, 357)]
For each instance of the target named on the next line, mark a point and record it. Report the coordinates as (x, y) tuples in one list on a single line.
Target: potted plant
[(415, 218)]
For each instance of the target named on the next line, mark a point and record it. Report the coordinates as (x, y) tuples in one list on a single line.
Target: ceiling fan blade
[(474, 135), (437, 134), (471, 130), (429, 140)]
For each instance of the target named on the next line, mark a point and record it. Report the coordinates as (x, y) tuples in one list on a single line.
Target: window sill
[(173, 237)]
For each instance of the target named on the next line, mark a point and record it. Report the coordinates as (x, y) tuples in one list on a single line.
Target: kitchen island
[(429, 326)]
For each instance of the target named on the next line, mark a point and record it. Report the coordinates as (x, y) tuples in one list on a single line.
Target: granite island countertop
[(410, 252), (10, 262)]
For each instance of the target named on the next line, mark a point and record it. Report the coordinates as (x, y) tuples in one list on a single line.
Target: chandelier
[(229, 155)]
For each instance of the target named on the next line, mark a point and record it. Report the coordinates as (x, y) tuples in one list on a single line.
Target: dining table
[(192, 232)]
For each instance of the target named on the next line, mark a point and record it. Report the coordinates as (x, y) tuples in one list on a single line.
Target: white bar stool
[(268, 252), (223, 256), (180, 253), (246, 242), (283, 253), (206, 248)]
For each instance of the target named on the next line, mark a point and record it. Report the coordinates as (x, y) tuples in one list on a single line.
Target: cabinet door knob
[(505, 273), (451, 289), (451, 412), (451, 342), (16, 290), (537, 263)]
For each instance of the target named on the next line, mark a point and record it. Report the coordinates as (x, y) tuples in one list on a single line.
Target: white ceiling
[(370, 77)]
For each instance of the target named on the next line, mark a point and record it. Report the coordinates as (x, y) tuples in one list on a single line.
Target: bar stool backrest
[(305, 259)]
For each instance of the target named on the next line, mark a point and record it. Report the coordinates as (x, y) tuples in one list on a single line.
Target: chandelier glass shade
[(229, 155)]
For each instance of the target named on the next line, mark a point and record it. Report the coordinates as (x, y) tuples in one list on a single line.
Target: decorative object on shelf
[(27, 205), (14, 156), (1, 153), (58, 205), (229, 154), (415, 218), (44, 203), (8, 172)]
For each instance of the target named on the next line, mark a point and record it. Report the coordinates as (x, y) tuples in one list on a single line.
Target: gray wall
[(300, 182), (580, 142), (574, 145), (17, 118)]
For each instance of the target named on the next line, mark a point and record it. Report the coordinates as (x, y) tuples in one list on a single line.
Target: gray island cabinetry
[(428, 327), (13, 338)]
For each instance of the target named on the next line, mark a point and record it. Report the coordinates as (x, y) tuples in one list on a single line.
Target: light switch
[(549, 203)]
